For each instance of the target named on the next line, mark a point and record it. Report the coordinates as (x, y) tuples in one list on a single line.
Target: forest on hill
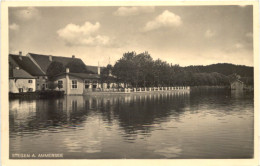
[(223, 68)]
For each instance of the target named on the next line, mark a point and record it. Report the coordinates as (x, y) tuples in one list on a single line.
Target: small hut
[(237, 85)]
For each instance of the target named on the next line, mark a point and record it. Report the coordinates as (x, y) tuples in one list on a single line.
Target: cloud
[(249, 35), (11, 51), (131, 11), (238, 45), (14, 27), (28, 14), (209, 33), (166, 19), (85, 35)]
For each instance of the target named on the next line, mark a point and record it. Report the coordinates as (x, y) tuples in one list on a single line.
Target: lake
[(198, 124)]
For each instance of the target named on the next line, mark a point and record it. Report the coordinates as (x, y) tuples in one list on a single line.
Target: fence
[(145, 89)]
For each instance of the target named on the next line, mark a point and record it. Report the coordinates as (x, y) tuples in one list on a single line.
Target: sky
[(184, 35)]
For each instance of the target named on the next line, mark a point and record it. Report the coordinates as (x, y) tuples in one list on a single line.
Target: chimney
[(73, 56), (98, 69), (67, 70), (20, 55), (50, 58)]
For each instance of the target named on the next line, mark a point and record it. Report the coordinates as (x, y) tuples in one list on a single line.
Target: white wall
[(15, 84), (71, 91)]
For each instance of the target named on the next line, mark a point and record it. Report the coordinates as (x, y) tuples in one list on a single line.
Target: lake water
[(196, 124)]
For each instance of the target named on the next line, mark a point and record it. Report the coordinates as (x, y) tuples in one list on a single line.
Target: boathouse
[(21, 81), (237, 85), (77, 83)]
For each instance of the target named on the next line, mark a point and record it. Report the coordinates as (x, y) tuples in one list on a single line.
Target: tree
[(77, 66), (54, 69), (125, 68), (140, 70), (143, 65), (59, 85), (52, 85), (106, 75)]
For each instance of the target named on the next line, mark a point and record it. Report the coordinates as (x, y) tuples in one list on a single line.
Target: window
[(86, 82), (46, 85), (30, 81), (20, 90), (74, 84), (60, 84), (30, 90), (95, 84), (43, 86)]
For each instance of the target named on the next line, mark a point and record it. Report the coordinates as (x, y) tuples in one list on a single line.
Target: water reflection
[(157, 125), (133, 112)]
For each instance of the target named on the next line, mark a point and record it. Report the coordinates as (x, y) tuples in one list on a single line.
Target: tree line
[(140, 70)]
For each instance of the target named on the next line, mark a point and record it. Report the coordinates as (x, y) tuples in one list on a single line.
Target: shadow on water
[(137, 112), (143, 112), (219, 98)]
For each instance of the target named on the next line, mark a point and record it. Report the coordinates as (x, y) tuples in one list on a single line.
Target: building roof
[(82, 75), (43, 60), (85, 76), (26, 64), (237, 81), (20, 73), (94, 69)]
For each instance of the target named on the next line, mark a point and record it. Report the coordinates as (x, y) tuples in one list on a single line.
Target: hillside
[(223, 68)]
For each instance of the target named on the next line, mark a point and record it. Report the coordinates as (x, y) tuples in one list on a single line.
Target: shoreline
[(59, 94)]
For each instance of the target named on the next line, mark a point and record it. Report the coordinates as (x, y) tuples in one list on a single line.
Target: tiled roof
[(12, 61), (43, 60), (20, 73), (237, 80), (82, 75), (85, 76), (26, 64)]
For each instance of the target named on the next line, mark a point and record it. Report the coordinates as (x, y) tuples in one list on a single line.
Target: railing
[(144, 89)]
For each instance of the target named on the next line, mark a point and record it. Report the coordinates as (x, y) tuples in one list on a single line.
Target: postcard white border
[(118, 162)]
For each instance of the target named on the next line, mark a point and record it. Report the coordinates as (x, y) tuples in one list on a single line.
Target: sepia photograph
[(131, 82)]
